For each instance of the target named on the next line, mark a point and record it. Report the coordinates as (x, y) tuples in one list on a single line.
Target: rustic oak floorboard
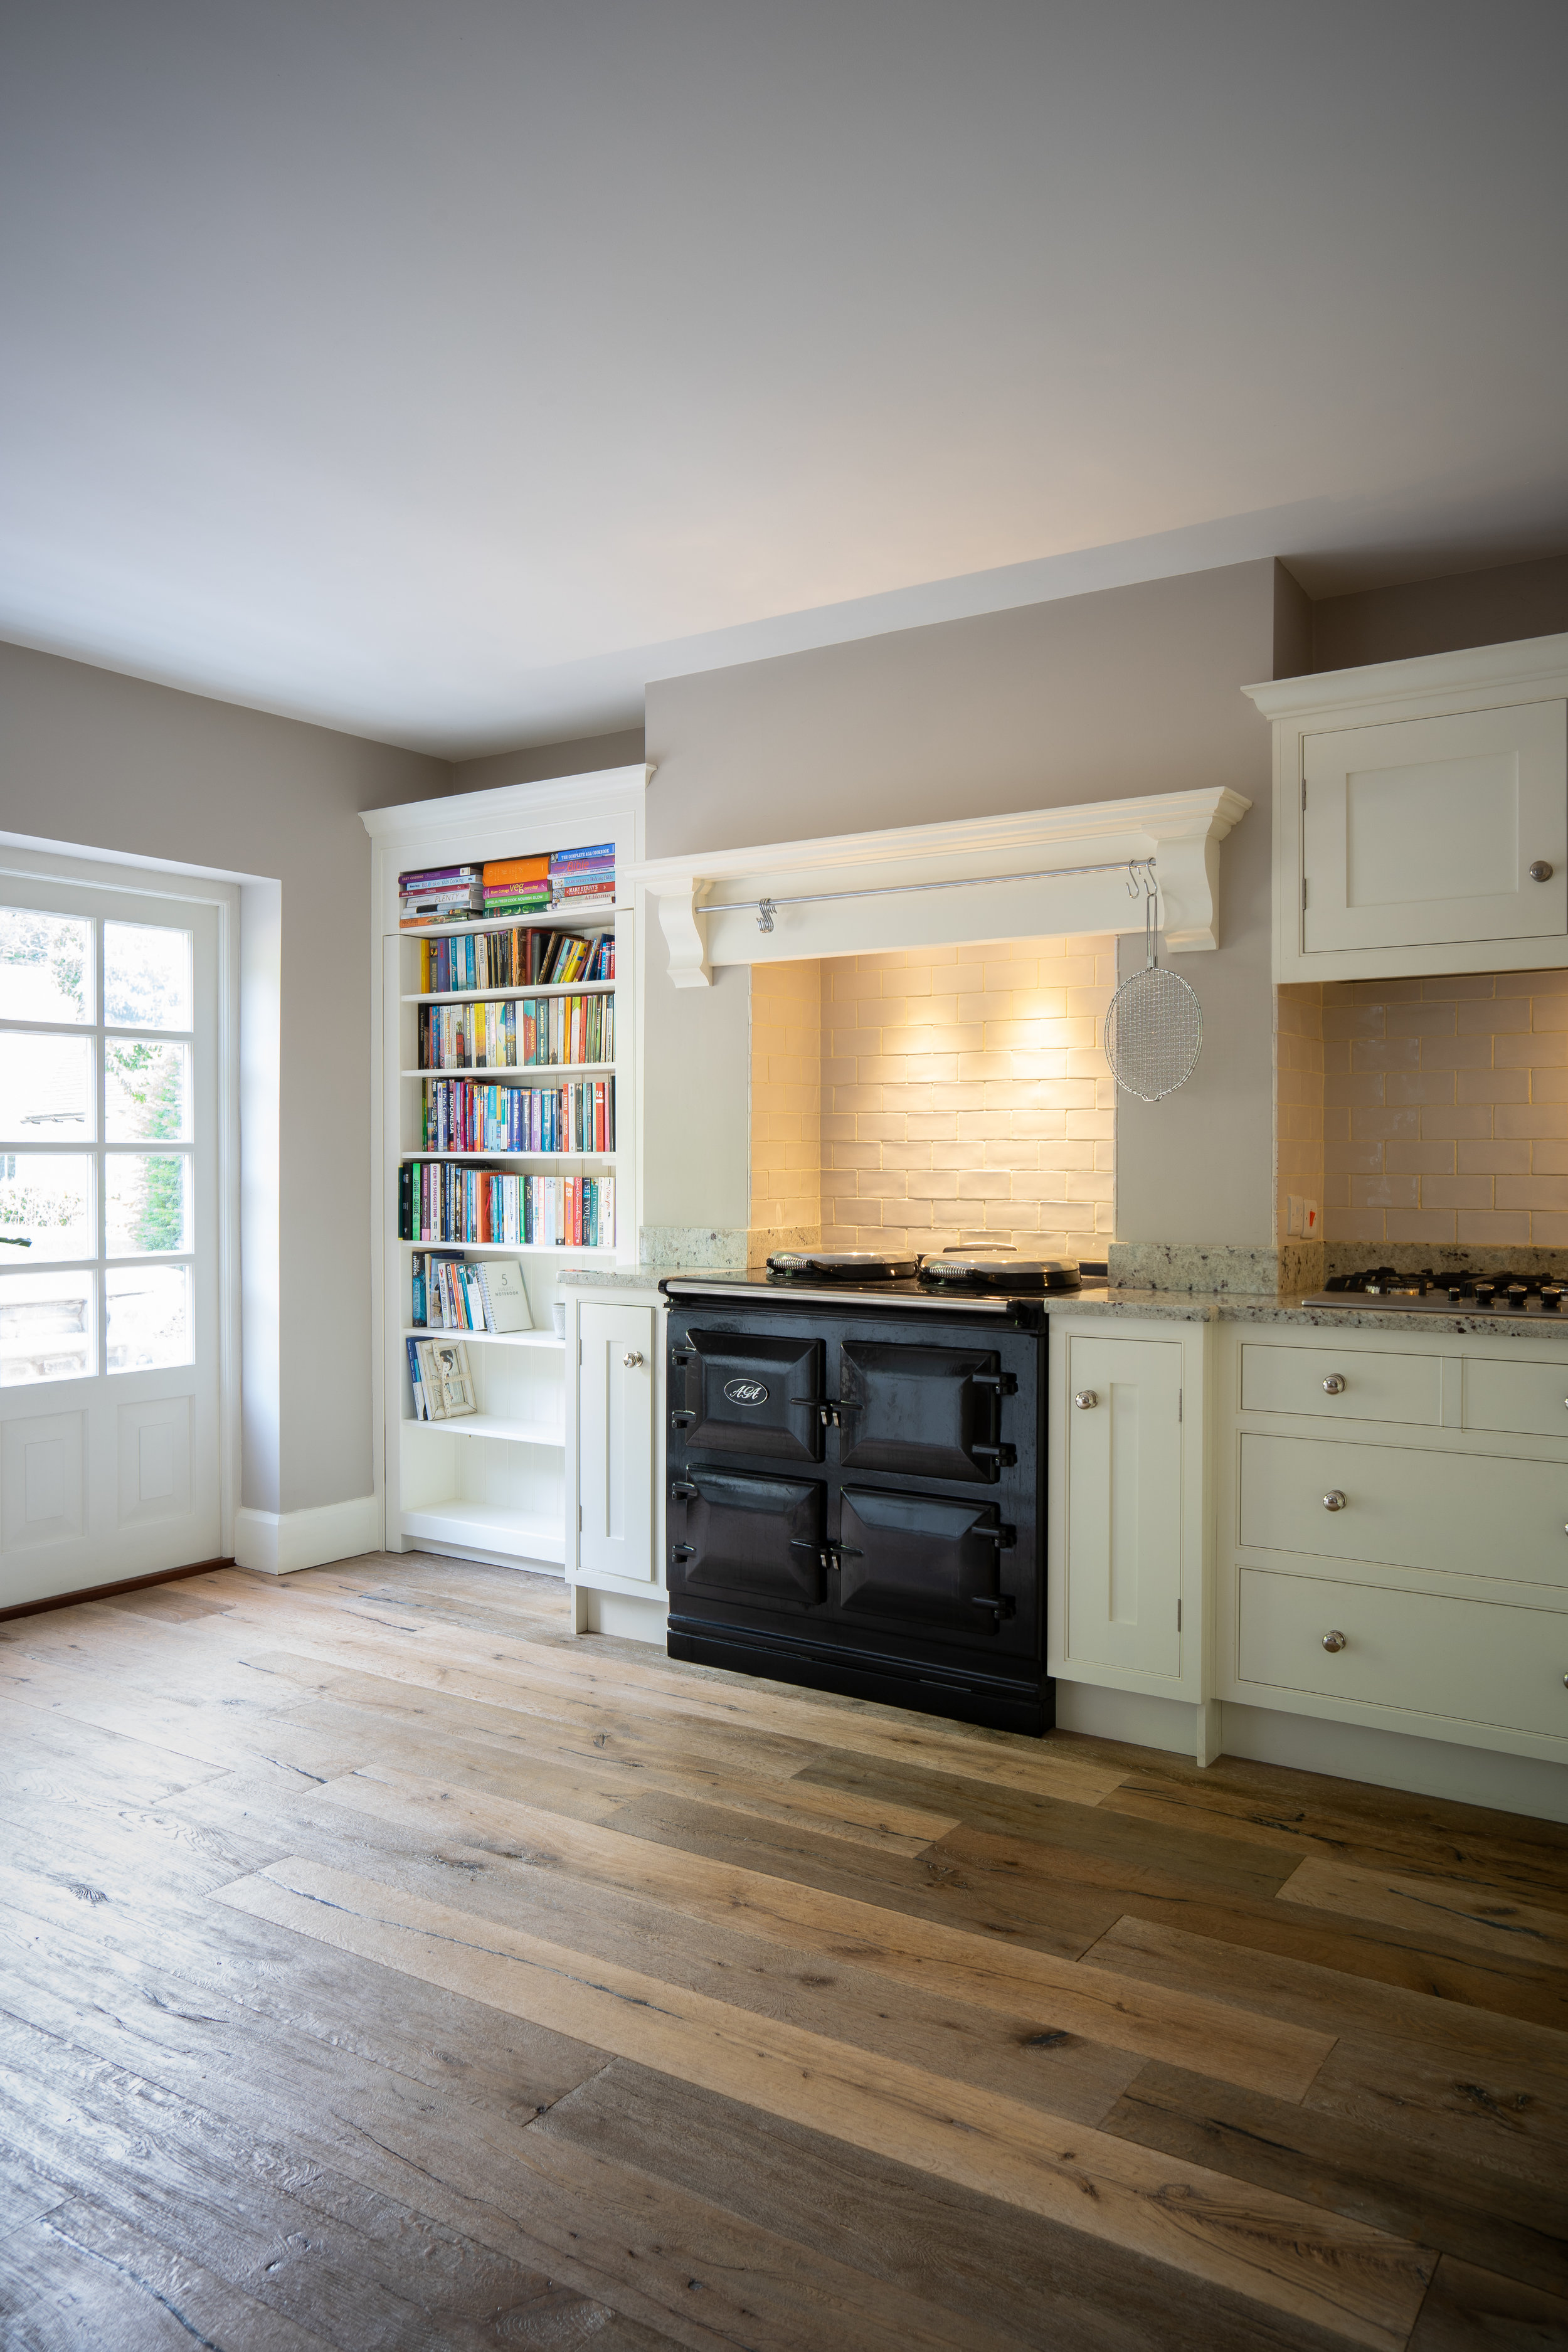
[(101, 2128), (637, 2245), (1470, 1914), (1293, 2257), (1021, 2053), (302, 2019), (1466, 2307), (1001, 1832), (1374, 1829), (966, 2254), (1429, 2194), (1093, 2004), (1485, 2086), (857, 1933), (313, 2246), (620, 1765), (100, 2284), (1393, 1956), (958, 1751)]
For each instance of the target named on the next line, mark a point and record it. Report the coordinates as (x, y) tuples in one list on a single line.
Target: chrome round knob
[(1334, 1385), (1336, 1640), (1334, 1500), (632, 1359), (1540, 871), (1086, 1400)]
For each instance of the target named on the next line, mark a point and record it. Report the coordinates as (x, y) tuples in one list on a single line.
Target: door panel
[(110, 1408), (1424, 831), (615, 1440), (748, 1539), (922, 1559), (753, 1394), (932, 1413), (1124, 1503)]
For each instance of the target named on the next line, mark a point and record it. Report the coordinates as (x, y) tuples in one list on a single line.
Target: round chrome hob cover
[(839, 1265), (991, 1270)]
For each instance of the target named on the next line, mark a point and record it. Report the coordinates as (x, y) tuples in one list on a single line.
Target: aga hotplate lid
[(839, 1265), (998, 1270)]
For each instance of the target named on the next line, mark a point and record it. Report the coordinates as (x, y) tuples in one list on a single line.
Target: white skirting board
[(278, 1542), (1348, 1751)]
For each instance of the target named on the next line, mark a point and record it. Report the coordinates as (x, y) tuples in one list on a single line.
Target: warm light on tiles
[(964, 1094), (1445, 1110)]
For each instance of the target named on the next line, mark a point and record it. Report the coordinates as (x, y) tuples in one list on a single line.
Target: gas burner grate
[(1437, 1288)]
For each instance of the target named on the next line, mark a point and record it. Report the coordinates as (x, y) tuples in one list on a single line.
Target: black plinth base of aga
[(1001, 1705)]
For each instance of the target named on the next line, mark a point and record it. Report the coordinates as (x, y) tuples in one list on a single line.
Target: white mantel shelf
[(1002, 858)]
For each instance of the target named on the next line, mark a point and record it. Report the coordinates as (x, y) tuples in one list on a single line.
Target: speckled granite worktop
[(1165, 1305)]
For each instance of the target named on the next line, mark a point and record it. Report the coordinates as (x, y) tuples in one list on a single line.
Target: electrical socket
[(1301, 1217)]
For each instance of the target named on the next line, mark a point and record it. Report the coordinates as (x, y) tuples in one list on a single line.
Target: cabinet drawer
[(1466, 1515), (1376, 1387), (1519, 1393), (1475, 1661)]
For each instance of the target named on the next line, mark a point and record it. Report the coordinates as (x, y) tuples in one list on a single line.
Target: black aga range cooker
[(855, 1455)]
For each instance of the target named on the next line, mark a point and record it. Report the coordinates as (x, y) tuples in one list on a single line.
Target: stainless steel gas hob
[(1436, 1291)]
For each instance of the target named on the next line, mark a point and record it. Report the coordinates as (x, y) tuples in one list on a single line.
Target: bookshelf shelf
[(522, 1074), (591, 914), (502, 1496), (546, 1340), (418, 1152), (494, 995), (490, 1424), (561, 1251), (488, 1527)]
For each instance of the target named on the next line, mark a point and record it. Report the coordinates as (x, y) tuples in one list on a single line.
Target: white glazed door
[(1425, 831), (616, 1441), (1124, 1503), (109, 1243)]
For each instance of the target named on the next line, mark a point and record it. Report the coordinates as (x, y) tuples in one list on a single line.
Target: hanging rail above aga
[(767, 908)]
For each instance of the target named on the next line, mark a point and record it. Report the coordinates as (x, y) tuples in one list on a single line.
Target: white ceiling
[(444, 372)]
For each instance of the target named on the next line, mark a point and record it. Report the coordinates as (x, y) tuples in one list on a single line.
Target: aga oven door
[(932, 1413), (737, 1537), (925, 1564), (749, 1392)]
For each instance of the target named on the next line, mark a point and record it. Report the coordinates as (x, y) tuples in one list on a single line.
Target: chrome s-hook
[(765, 911)]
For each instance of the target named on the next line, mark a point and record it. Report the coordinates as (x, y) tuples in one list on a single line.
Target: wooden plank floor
[(381, 1968)]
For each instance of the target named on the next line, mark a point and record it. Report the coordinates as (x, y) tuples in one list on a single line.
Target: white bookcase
[(491, 1486)]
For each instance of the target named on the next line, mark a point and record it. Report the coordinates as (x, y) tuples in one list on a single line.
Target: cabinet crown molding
[(1013, 856), (1519, 671)]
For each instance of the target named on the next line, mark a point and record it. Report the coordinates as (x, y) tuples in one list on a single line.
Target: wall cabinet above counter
[(1421, 814)]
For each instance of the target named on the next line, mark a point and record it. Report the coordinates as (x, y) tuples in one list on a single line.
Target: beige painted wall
[(1439, 616), (97, 760), (1092, 698)]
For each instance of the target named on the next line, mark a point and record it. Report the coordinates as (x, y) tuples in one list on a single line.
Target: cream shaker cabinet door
[(1123, 1408), (615, 1441), (1424, 831)]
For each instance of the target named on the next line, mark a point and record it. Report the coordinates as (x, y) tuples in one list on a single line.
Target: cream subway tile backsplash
[(786, 1104), (1444, 1109), (1298, 1097), (966, 1093)]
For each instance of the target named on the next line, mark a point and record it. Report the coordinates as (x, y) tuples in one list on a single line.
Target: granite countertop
[(1161, 1306)]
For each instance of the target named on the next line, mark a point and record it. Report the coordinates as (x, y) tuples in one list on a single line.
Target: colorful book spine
[(452, 1204), (470, 962), (461, 1115), (517, 1033)]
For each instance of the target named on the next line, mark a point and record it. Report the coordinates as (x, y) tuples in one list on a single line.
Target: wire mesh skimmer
[(1154, 1026)]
